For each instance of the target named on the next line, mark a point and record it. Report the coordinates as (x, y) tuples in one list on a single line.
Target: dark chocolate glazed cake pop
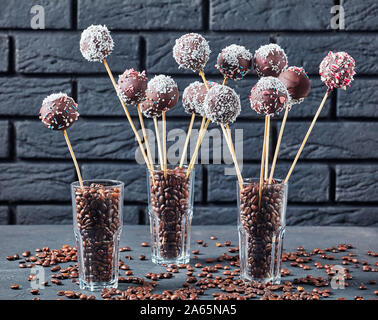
[(191, 51), (234, 62), (269, 60), (161, 95), (194, 97), (96, 43), (269, 96), (337, 70), (58, 111), (222, 104), (132, 86), (297, 83)]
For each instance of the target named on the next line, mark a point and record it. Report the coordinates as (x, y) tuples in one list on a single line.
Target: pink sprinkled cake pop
[(337, 70)]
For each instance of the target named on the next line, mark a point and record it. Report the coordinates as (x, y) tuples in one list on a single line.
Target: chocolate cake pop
[(297, 83), (234, 62), (337, 70), (58, 111), (191, 51), (269, 96), (148, 109), (269, 60), (96, 43), (194, 97), (161, 95), (132, 86), (222, 104)]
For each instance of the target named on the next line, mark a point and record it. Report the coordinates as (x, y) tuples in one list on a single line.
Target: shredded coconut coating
[(234, 61), (274, 58), (337, 70), (96, 43), (222, 104), (58, 111), (269, 96), (162, 95), (191, 51), (194, 96), (132, 86)]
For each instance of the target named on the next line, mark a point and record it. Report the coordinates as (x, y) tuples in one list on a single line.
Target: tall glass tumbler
[(261, 230), (97, 220), (170, 209)]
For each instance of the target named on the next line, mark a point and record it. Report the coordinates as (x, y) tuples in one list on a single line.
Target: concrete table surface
[(16, 239)]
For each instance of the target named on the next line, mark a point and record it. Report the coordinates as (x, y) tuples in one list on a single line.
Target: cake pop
[(191, 51), (269, 60), (148, 109), (194, 97), (337, 70), (234, 62), (96, 43), (162, 93), (269, 96), (58, 111), (297, 83), (132, 86), (222, 104)]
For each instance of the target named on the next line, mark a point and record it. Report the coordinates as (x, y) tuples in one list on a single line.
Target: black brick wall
[(336, 181)]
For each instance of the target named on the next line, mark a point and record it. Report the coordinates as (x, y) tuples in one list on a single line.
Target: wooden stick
[(306, 136), (73, 158), (199, 141), (164, 143), (262, 162), (192, 159), (158, 142), (145, 136), (201, 73), (184, 152), (227, 136), (127, 114), (266, 167), (278, 145), (224, 81)]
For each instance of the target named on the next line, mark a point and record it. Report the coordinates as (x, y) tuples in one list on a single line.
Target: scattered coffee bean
[(15, 286)]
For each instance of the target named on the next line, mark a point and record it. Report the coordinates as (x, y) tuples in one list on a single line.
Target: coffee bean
[(15, 286), (213, 238), (142, 257), (145, 244), (34, 291), (26, 254)]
